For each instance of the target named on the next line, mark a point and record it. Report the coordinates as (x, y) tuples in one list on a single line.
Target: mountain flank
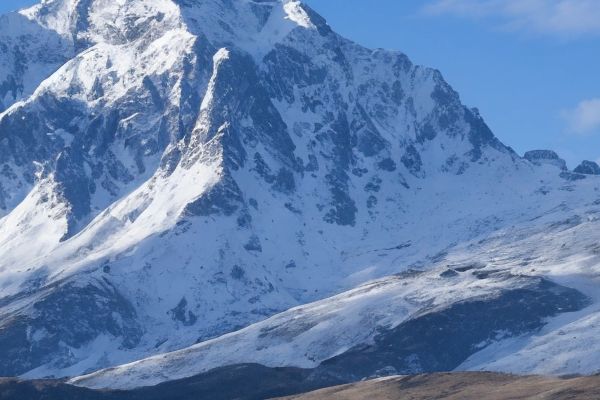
[(260, 383)]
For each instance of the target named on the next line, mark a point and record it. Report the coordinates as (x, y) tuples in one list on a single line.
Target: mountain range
[(192, 185)]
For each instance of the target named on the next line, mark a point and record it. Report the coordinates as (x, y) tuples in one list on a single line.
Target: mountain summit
[(175, 170)]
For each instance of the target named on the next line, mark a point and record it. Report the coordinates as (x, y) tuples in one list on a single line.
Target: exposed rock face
[(61, 317), (30, 52), (540, 157), (588, 168)]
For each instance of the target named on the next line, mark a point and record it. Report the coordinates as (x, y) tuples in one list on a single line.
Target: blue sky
[(10, 5), (531, 66)]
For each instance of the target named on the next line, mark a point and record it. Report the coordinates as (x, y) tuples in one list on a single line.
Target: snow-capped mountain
[(176, 170)]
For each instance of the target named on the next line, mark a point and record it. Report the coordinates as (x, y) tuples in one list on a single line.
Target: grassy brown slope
[(462, 386)]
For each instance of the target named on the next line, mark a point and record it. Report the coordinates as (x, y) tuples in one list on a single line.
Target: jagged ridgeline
[(174, 170)]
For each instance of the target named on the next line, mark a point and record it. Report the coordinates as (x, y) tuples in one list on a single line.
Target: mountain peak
[(233, 21)]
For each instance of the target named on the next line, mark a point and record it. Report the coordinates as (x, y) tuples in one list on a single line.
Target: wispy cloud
[(585, 118), (555, 17)]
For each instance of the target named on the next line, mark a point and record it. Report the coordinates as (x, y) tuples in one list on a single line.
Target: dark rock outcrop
[(539, 157), (588, 168), (63, 317)]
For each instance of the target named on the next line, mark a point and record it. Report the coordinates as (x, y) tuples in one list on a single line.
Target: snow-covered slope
[(508, 321), (30, 53), (194, 167)]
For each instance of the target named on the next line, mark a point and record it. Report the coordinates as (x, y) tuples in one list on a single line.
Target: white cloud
[(556, 17), (585, 118)]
